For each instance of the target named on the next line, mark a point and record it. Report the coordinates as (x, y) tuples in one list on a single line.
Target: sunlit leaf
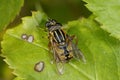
[(101, 51), (107, 13)]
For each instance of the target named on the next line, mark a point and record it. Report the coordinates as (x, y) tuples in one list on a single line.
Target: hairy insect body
[(61, 45)]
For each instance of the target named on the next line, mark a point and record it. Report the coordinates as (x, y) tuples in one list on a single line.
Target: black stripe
[(63, 34), (58, 36), (66, 53), (55, 36)]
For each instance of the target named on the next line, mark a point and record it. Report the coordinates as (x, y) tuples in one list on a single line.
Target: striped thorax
[(59, 36)]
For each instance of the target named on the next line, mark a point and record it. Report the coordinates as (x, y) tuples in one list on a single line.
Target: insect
[(61, 45)]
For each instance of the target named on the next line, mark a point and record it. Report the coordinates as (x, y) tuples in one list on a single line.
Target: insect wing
[(60, 67), (77, 53), (59, 64)]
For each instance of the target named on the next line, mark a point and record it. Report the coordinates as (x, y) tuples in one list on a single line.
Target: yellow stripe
[(53, 36), (57, 36), (62, 35)]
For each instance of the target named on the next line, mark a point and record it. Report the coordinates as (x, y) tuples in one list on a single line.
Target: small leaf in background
[(107, 13), (64, 10), (102, 52), (8, 10), (5, 72)]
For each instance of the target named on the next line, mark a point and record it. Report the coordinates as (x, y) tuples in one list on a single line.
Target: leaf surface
[(107, 13), (101, 51)]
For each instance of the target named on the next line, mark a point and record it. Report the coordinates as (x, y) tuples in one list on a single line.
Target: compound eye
[(47, 24), (50, 22), (53, 21)]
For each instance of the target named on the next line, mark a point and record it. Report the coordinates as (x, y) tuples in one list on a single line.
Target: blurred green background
[(61, 10)]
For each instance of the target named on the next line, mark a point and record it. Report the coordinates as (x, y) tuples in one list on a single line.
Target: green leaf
[(17, 78), (8, 10), (101, 51), (107, 13)]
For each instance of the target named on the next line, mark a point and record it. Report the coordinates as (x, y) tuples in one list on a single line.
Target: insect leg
[(51, 48), (73, 37)]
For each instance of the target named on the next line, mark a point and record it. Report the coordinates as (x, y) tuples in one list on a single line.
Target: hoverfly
[(61, 45)]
